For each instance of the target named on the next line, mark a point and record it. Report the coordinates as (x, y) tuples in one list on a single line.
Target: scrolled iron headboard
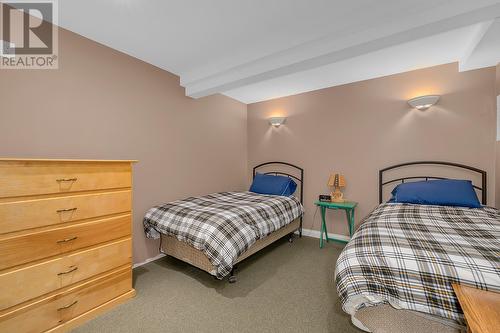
[(382, 183), (300, 179), (281, 173)]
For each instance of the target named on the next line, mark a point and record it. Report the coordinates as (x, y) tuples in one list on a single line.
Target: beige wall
[(498, 79), (103, 104), (359, 128), (497, 172)]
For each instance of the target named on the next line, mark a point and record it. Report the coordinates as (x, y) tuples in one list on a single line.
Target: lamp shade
[(336, 180), (277, 121), (423, 102)]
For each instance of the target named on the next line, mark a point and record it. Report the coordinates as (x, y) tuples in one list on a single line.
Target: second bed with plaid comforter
[(409, 256), (222, 225)]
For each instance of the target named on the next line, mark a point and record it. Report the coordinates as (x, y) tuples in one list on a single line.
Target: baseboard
[(139, 264), (316, 234)]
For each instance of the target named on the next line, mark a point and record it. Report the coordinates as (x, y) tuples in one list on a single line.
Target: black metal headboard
[(281, 173), (382, 183)]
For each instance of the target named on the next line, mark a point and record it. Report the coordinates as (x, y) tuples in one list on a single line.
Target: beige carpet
[(283, 288)]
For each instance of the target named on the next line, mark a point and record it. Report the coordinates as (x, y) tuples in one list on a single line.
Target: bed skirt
[(183, 251)]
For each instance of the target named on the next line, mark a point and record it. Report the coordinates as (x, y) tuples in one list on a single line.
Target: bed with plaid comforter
[(409, 255), (222, 225)]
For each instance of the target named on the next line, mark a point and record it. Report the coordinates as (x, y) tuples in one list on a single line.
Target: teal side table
[(348, 206)]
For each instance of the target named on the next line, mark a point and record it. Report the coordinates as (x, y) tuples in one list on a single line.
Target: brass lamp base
[(337, 196)]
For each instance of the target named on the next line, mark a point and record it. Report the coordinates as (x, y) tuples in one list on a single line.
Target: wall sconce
[(423, 102), (277, 121)]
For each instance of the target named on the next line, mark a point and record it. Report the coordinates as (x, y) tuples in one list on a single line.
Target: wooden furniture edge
[(457, 288), (84, 317), (464, 298)]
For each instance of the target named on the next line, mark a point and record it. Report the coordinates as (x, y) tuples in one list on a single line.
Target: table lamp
[(337, 181)]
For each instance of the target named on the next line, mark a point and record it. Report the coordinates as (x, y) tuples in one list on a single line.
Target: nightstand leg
[(323, 209), (348, 215), (352, 222), (326, 231)]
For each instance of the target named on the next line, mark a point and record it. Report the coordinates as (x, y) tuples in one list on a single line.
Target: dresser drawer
[(28, 214), (25, 283), (55, 310), (17, 250), (34, 178)]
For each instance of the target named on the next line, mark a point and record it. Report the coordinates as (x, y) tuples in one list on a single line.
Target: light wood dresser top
[(481, 308)]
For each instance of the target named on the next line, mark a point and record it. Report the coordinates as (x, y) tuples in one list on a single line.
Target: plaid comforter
[(409, 255), (222, 225)]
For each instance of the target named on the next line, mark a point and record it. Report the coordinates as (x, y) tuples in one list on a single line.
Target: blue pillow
[(443, 192), (276, 185)]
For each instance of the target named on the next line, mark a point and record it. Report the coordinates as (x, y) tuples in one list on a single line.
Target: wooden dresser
[(65, 242), (481, 308)]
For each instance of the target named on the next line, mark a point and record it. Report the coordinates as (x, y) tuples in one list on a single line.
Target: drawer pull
[(66, 210), (72, 269), (66, 180), (67, 240), (67, 306)]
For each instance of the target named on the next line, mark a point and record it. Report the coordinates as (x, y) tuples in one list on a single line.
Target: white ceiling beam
[(326, 51), (435, 50), (479, 32), (484, 47)]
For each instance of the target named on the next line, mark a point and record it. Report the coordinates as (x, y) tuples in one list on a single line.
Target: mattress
[(408, 256), (222, 225)]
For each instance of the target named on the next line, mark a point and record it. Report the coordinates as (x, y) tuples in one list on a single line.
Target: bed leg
[(300, 228), (232, 277)]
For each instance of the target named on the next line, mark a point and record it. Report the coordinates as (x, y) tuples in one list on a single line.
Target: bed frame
[(383, 316), (171, 246), (299, 179), (382, 183)]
